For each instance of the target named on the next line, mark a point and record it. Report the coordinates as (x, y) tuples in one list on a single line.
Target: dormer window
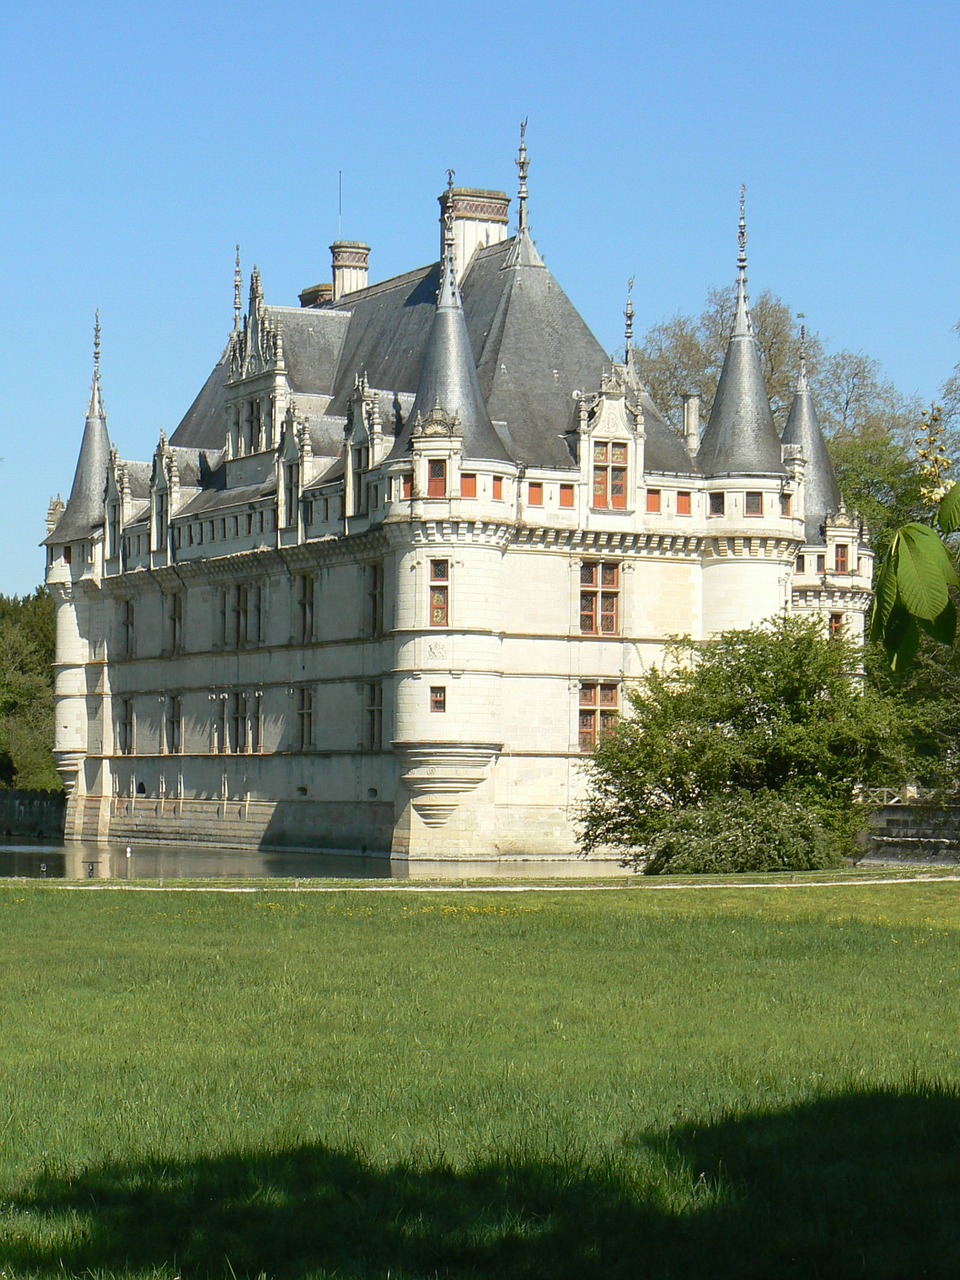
[(161, 518), (291, 493), (609, 474), (113, 530), (841, 558)]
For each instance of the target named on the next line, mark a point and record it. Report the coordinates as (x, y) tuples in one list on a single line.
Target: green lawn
[(641, 1082)]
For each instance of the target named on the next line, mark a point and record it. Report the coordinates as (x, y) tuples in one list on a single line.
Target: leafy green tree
[(27, 641), (686, 353), (740, 727), (912, 590), (879, 478)]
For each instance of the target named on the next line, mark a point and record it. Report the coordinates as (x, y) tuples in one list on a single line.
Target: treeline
[(27, 644)]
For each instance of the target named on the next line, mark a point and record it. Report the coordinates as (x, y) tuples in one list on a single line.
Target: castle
[(386, 582)]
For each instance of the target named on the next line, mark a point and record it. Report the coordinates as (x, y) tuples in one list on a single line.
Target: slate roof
[(531, 347), (740, 438), (448, 378), (821, 491), (84, 511)]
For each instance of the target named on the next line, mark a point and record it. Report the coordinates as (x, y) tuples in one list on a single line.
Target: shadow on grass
[(861, 1184)]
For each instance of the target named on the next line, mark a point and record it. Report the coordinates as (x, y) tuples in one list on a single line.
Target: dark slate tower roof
[(821, 492), (448, 375), (740, 438), (84, 511)]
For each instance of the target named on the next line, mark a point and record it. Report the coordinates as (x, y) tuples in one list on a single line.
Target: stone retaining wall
[(926, 833), (39, 814)]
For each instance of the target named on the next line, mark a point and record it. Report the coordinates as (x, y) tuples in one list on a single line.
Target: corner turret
[(740, 438)]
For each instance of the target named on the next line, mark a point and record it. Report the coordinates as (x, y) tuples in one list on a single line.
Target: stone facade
[(389, 578)]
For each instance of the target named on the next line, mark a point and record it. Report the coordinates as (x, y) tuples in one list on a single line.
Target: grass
[(646, 1081)]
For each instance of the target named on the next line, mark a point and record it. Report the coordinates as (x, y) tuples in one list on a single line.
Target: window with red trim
[(437, 478), (498, 488), (407, 491), (535, 494), (599, 708), (841, 562), (439, 592), (653, 501), (599, 597), (684, 507), (468, 485), (566, 495), (609, 474)]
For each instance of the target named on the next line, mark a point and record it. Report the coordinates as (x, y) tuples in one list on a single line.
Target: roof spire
[(628, 330), (821, 493), (237, 293), (96, 396), (802, 376), (523, 168), (742, 323), (448, 295)]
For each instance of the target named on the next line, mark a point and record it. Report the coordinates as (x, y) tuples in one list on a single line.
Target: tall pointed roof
[(740, 438), (84, 511), (821, 491), (448, 376)]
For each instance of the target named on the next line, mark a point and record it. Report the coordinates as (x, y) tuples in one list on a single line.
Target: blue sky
[(141, 142)]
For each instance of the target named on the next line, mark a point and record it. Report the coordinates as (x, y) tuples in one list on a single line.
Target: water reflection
[(80, 861)]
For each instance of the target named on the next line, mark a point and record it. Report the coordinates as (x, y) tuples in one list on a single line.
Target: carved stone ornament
[(438, 422)]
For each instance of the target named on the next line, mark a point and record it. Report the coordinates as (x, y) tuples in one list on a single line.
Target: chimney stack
[(691, 422), (351, 260), (479, 218)]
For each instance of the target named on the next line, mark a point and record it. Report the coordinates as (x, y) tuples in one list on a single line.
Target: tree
[(880, 479), (750, 730), (853, 398), (27, 638), (912, 594)]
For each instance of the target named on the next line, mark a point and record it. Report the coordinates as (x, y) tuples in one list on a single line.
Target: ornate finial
[(802, 377), (628, 316), (451, 174), (742, 233), (237, 292), (523, 168), (96, 346)]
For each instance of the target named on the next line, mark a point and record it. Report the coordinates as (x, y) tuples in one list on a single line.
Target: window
[(373, 716), (173, 622), (599, 597), (113, 530), (753, 504), (305, 719), (786, 504), (468, 485), (238, 722), (291, 494), (498, 488), (125, 727), (821, 564), (535, 494), (304, 591), (841, 562), (407, 485), (439, 593), (598, 711), (437, 478), (801, 564), (173, 725), (684, 507), (438, 698), (128, 628), (374, 619), (836, 626), (566, 495), (653, 501), (162, 509), (717, 504), (609, 475)]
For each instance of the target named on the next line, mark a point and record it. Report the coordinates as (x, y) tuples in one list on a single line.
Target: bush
[(744, 831)]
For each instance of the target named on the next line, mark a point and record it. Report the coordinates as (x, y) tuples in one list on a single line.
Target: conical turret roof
[(821, 491), (448, 376), (84, 511), (740, 438)]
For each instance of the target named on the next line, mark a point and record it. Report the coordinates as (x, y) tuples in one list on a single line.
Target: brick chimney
[(479, 218), (351, 260)]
